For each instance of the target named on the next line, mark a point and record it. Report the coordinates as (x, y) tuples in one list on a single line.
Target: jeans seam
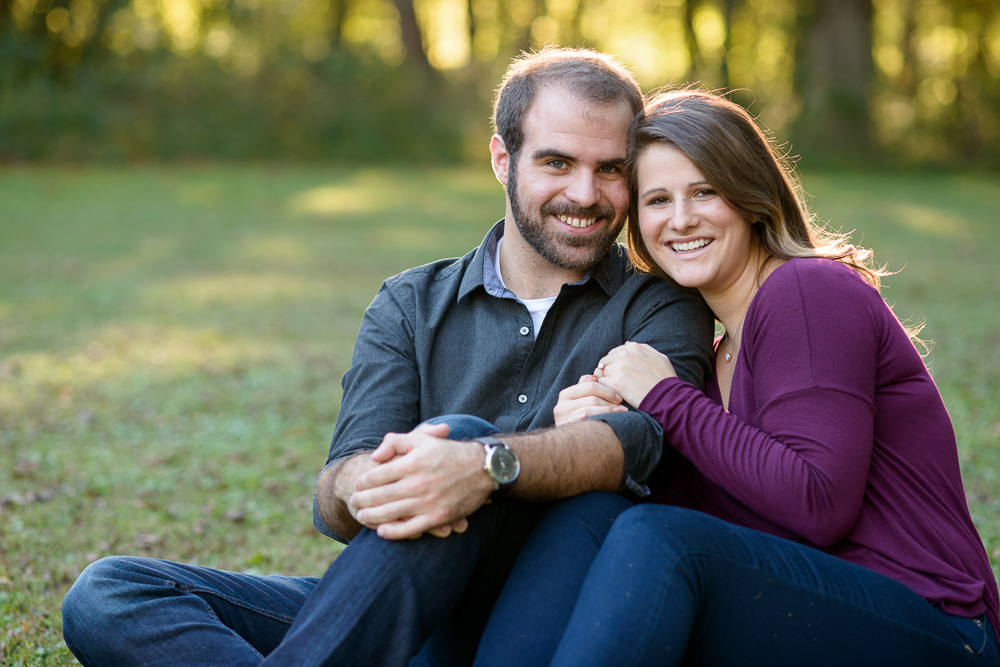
[(189, 588)]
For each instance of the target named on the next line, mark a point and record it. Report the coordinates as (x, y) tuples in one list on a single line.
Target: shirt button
[(525, 331), (522, 399)]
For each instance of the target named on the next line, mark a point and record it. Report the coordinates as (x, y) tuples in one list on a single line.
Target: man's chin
[(578, 258)]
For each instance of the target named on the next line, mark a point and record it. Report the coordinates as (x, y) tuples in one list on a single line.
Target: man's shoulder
[(425, 275)]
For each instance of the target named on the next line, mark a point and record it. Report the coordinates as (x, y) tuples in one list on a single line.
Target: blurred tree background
[(848, 82)]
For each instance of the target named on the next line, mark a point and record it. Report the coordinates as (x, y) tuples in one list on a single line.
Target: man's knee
[(88, 606), (465, 427)]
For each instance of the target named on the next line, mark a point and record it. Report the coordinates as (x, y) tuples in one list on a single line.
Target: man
[(495, 334)]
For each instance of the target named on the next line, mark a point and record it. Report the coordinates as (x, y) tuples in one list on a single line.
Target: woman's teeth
[(688, 246)]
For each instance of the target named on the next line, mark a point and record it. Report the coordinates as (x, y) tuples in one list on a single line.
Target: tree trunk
[(727, 15), (834, 73), (413, 41), (473, 26), (338, 11), (696, 71)]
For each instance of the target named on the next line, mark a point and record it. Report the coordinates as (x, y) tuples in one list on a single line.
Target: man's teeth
[(690, 245), (577, 222)]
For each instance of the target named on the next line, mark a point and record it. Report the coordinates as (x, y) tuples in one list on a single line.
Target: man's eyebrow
[(543, 153), (551, 153)]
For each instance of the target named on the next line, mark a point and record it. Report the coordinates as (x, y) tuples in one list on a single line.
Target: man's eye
[(609, 169), (558, 164)]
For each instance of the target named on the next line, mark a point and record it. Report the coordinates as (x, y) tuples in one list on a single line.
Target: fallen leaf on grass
[(146, 540)]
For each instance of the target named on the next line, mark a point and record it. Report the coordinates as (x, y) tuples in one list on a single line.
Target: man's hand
[(584, 399), (423, 483)]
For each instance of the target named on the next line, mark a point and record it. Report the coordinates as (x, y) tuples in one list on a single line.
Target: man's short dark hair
[(587, 73)]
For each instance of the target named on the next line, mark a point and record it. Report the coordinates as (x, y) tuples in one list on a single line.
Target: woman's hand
[(632, 370), (584, 399)]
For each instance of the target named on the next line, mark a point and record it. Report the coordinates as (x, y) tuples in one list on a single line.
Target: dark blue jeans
[(379, 603), (673, 586)]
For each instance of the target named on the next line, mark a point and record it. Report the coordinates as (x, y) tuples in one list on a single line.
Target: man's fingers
[(437, 430), (440, 531), (389, 448), (589, 389), (398, 444), (396, 487), (395, 510), (385, 473), (407, 528)]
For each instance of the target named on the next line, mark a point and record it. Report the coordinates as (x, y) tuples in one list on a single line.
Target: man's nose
[(583, 190)]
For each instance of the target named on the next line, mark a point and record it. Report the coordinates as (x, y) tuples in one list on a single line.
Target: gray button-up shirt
[(447, 338)]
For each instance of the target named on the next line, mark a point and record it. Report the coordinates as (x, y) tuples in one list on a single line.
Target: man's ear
[(500, 159)]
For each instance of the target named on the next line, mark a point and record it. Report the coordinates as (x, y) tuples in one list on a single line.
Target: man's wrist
[(500, 463)]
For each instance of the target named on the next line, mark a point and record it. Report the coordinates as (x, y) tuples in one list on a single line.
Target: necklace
[(729, 339)]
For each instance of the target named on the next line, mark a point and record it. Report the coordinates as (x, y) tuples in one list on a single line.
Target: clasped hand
[(423, 483), (627, 373)]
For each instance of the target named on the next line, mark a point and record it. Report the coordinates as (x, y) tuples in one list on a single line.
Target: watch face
[(504, 465)]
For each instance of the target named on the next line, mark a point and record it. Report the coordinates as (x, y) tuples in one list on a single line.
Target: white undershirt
[(537, 308)]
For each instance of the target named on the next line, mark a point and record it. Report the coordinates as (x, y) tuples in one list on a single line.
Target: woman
[(814, 507)]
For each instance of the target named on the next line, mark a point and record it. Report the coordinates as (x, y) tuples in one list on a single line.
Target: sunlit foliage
[(926, 90)]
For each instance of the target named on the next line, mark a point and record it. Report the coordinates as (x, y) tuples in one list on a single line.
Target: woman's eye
[(706, 193), (656, 201)]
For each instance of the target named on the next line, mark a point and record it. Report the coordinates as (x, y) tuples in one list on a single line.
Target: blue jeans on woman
[(672, 586), (379, 603)]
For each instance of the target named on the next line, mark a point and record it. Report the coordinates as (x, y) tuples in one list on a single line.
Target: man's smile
[(576, 222)]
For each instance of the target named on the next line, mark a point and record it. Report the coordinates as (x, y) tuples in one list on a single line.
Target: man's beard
[(553, 247)]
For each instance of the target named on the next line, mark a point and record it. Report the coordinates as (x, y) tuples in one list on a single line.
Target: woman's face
[(691, 232)]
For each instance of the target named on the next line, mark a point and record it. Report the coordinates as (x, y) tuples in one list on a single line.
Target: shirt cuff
[(641, 438)]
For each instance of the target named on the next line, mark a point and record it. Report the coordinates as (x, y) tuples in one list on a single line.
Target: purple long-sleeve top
[(836, 436)]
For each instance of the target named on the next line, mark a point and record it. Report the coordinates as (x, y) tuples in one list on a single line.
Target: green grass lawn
[(172, 342)]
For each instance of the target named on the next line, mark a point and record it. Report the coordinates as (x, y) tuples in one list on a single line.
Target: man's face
[(566, 190)]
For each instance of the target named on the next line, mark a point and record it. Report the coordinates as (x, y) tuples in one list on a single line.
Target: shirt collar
[(483, 274)]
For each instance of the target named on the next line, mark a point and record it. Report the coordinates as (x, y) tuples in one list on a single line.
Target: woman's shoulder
[(815, 276), (817, 289)]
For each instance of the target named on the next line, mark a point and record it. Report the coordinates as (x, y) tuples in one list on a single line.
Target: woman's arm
[(797, 447)]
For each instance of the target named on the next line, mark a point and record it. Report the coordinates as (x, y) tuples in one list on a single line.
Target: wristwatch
[(501, 463)]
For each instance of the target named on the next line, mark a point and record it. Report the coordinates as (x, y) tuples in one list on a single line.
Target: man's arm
[(332, 514), (434, 481), (381, 395), (566, 461), (678, 325)]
